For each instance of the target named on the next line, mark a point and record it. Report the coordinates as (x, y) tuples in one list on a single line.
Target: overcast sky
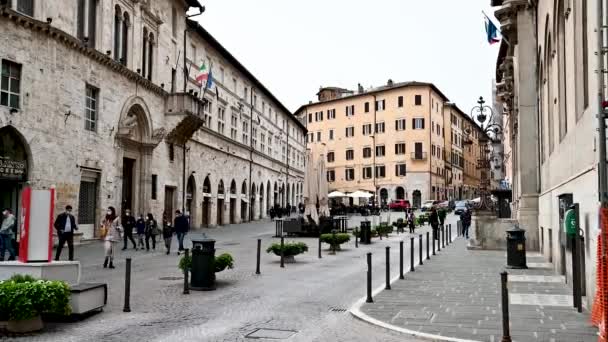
[(294, 47)]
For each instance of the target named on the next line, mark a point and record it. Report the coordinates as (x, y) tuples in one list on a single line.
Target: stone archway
[(252, 202), (191, 201), (233, 198), (221, 195), (276, 194), (383, 196), (136, 141), (268, 197), (244, 202), (417, 199), (400, 193), (206, 205), (261, 200), (15, 168)]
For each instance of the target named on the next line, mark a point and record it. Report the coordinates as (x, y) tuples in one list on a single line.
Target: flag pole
[(497, 29)]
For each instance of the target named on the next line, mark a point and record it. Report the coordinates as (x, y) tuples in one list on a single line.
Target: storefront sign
[(13, 169)]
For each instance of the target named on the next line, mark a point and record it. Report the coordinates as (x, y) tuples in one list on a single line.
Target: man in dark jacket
[(181, 227), (434, 221), (65, 224), (465, 220), (128, 223)]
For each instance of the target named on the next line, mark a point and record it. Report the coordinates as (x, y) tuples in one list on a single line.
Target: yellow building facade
[(398, 129)]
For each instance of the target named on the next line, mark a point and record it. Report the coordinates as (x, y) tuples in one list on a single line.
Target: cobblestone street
[(306, 301)]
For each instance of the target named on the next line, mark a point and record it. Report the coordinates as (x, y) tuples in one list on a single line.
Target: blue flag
[(209, 80), (491, 32)]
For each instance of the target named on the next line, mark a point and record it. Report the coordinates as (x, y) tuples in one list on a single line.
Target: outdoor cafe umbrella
[(360, 194), (310, 190), (323, 188), (336, 194)]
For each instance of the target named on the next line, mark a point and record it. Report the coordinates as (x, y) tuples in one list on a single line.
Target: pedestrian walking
[(151, 232), (465, 220), (128, 223), (7, 234), (110, 231), (181, 229), (65, 224), (411, 221), (140, 227), (167, 234), (442, 213), (434, 221)]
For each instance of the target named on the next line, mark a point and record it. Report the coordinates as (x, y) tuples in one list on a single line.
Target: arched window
[(124, 38), (144, 50), (150, 55), (117, 31)]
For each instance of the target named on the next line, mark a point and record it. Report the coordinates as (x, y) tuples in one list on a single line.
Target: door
[(87, 206), (417, 199), (233, 210), (243, 211), (169, 200), (418, 150), (128, 166), (206, 212), (220, 211)]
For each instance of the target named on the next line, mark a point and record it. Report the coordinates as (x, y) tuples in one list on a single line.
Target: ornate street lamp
[(483, 115)]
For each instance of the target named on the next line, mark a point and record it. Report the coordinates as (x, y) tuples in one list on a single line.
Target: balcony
[(419, 155), (185, 114)]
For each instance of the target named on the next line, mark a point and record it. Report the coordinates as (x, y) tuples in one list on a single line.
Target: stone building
[(547, 82), (397, 129), (95, 102), (455, 154)]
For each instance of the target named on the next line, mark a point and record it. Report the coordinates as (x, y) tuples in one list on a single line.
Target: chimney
[(389, 83), (359, 88)]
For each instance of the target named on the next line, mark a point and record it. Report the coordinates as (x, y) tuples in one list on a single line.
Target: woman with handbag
[(110, 232), (151, 232)]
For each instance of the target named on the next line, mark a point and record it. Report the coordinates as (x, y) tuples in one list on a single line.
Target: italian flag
[(203, 74)]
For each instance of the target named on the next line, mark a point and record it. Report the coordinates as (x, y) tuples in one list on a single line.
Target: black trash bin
[(516, 248), (365, 236), (203, 263)]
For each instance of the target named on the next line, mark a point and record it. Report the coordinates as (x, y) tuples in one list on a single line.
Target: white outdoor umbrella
[(336, 194), (310, 190), (360, 194), (323, 188)]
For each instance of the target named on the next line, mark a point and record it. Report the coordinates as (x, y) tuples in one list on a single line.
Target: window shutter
[(376, 105), (383, 104), (422, 123), (413, 123), (396, 125), (346, 110), (352, 110)]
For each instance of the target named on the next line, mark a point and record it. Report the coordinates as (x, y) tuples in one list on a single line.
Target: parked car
[(400, 205), (460, 207), (444, 205), (427, 205)]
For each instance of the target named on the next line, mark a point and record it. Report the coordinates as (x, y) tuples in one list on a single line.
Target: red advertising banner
[(26, 196)]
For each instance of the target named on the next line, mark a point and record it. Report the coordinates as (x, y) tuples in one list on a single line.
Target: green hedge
[(289, 248), (24, 297), (221, 262)]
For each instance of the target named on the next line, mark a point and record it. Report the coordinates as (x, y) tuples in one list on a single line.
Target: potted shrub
[(221, 262), (290, 250), (335, 240), (400, 225), (24, 299)]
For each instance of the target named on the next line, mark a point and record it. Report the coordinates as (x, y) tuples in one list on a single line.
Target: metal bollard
[(186, 281), (438, 240), (412, 254), (506, 336), (433, 244), (320, 246), (576, 274), (427, 246), (127, 307), (356, 238), (401, 260), (420, 249), (450, 232), (369, 279), (388, 268), (442, 237), (283, 253), (257, 264)]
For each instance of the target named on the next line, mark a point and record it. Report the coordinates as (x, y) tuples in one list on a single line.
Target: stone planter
[(289, 259), (25, 326)]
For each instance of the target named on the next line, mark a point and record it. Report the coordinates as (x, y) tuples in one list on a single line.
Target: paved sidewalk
[(456, 295)]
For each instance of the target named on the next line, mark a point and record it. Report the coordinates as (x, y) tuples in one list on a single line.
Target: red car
[(400, 205)]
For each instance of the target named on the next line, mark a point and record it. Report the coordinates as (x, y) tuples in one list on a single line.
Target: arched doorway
[(15, 164), (191, 200), (206, 202), (287, 198), (276, 195), (293, 195), (400, 193), (383, 196), (136, 141), (416, 199), (244, 202), (261, 200), (252, 202), (220, 203), (233, 202), (268, 197)]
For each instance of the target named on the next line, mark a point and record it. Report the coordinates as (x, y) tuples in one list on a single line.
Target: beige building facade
[(95, 103), (547, 83), (398, 129)]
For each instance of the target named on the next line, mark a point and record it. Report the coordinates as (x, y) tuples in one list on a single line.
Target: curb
[(355, 310)]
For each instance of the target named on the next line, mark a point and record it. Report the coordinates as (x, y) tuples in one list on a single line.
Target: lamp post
[(484, 114)]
